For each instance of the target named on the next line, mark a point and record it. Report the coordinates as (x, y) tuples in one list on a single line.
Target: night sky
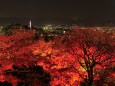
[(75, 9)]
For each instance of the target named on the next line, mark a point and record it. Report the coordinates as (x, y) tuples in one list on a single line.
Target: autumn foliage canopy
[(83, 57)]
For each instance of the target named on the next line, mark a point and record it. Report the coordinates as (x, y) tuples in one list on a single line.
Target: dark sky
[(76, 9)]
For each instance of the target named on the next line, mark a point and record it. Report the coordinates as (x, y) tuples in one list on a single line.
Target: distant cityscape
[(50, 30), (5, 21)]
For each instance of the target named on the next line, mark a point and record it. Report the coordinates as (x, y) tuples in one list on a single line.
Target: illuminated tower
[(30, 24)]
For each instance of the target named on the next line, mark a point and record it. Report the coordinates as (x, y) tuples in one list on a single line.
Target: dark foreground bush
[(30, 76), (5, 83)]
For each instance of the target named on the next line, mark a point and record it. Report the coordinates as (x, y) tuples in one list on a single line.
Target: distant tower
[(30, 24)]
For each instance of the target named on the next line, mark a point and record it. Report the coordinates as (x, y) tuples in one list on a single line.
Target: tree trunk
[(89, 83), (90, 77)]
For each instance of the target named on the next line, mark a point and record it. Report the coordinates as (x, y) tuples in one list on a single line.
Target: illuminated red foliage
[(69, 59)]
